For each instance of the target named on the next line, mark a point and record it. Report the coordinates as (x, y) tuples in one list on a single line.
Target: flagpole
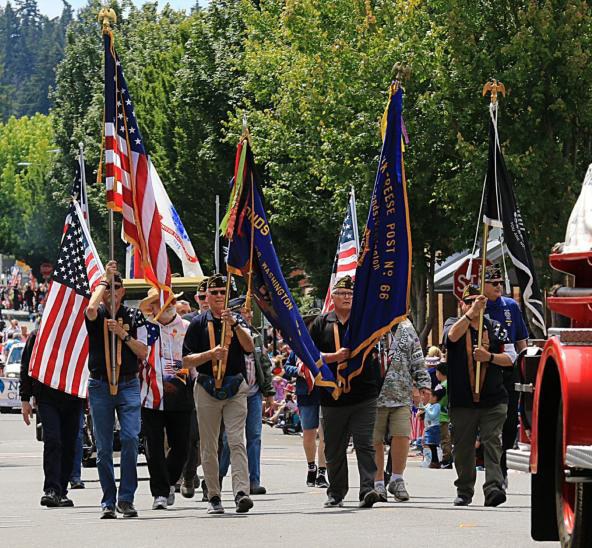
[(355, 218), (493, 87), (106, 16), (217, 236)]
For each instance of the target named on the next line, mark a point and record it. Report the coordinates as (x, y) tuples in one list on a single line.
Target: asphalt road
[(291, 514)]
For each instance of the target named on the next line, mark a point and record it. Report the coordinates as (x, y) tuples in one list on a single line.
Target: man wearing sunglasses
[(352, 413), (475, 412), (506, 311), (200, 300), (128, 325), (204, 349)]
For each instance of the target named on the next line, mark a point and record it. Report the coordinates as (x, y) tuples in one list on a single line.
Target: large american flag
[(60, 353), (346, 257), (150, 373), (129, 183)]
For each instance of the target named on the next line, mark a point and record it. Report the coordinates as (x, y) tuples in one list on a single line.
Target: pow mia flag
[(500, 210)]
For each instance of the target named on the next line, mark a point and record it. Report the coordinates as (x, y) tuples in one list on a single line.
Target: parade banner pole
[(492, 87)]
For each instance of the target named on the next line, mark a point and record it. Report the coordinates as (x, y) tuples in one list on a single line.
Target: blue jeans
[(253, 429), (77, 466), (102, 408)]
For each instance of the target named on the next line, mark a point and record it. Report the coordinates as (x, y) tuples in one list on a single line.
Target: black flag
[(500, 210)]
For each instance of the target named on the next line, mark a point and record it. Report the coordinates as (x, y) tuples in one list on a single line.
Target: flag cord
[(478, 226), (493, 112), (250, 280)]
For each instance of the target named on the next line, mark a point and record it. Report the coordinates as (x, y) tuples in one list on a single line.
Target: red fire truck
[(556, 413)]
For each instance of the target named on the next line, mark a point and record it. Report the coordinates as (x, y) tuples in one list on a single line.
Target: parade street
[(290, 514)]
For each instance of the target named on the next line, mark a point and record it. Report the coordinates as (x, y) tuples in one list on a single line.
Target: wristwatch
[(127, 338)]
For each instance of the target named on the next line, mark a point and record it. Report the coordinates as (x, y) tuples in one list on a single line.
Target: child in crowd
[(432, 360), (446, 443), (432, 425)]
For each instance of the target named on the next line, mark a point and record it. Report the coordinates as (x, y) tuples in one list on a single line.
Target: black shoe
[(215, 506), (187, 489), (65, 502), (495, 497), (243, 503), (178, 487), (332, 502), (370, 499), (321, 480), (127, 509), (258, 490), (462, 500), (447, 465), (108, 512), (50, 499), (311, 477), (204, 488), (76, 485)]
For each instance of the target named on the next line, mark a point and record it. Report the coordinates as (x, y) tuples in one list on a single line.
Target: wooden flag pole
[(106, 17), (492, 87)]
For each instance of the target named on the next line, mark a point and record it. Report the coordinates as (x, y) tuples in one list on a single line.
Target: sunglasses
[(495, 283), (343, 293), (217, 291), (116, 286), (468, 302), (201, 297)]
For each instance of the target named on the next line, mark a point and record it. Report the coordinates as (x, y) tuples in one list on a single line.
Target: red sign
[(46, 269), (462, 278)]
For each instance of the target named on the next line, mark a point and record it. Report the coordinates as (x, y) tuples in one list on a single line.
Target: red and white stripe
[(347, 259), (115, 175), (151, 387)]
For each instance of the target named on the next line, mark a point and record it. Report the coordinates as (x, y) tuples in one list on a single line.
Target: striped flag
[(130, 188), (79, 189), (150, 373), (60, 353), (348, 247)]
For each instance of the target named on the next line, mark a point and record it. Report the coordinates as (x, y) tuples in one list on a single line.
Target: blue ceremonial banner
[(268, 286), (383, 274)]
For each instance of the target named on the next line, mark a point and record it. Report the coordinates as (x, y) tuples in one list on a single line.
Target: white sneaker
[(171, 498), (397, 488), (160, 503)]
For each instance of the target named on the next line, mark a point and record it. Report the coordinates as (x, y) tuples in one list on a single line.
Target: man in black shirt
[(60, 416), (476, 412), (131, 337), (203, 348), (353, 412)]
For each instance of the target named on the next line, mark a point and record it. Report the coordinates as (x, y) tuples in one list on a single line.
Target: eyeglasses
[(201, 297), (217, 291), (116, 286), (495, 283), (468, 302), (343, 293)]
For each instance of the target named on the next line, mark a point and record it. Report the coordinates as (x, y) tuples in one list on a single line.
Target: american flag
[(79, 189), (151, 388), (129, 183), (346, 257), (60, 353)]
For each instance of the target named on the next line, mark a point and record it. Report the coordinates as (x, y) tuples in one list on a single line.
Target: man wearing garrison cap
[(473, 410), (507, 312), (200, 299), (220, 391), (352, 413)]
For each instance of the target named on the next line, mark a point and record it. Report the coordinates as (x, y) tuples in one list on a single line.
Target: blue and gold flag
[(383, 274), (251, 252)]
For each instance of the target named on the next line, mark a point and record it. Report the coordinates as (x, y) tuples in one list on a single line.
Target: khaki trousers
[(210, 411)]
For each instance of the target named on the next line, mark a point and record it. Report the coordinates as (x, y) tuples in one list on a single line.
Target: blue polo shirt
[(507, 311)]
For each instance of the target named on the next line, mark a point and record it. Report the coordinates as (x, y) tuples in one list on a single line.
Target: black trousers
[(61, 422), (193, 456), (510, 428), (338, 424), (165, 470)]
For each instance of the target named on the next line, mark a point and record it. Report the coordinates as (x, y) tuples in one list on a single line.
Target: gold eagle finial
[(107, 17), (494, 87)]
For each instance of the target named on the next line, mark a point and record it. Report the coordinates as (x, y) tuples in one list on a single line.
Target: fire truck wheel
[(573, 501)]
